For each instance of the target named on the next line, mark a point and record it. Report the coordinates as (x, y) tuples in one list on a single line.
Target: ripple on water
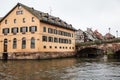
[(68, 69)]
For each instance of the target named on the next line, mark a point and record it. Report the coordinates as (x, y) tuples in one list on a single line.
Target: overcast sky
[(95, 14)]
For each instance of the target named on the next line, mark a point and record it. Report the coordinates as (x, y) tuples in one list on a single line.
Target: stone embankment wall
[(40, 55)]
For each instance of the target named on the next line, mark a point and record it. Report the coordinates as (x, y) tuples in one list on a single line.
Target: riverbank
[(38, 55)]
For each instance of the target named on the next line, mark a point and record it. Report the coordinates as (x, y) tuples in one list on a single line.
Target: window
[(32, 42), (66, 41), (44, 38), (14, 43), (33, 28), (60, 40), (55, 31), (23, 20), (5, 31), (15, 30), (69, 34), (44, 47), (50, 30), (33, 20), (14, 20), (55, 39), (72, 35), (50, 39), (5, 21), (23, 43), (44, 29), (50, 46), (60, 32), (19, 12), (19, 7), (23, 29), (60, 47), (69, 41), (66, 47), (72, 47), (55, 47)]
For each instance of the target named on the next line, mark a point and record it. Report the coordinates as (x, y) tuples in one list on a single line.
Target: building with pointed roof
[(98, 35), (25, 31), (79, 36), (109, 36), (89, 35)]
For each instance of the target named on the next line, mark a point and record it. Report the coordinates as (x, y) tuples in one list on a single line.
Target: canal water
[(60, 69)]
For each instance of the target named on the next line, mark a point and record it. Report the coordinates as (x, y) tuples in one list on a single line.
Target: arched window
[(14, 43), (23, 43), (32, 42)]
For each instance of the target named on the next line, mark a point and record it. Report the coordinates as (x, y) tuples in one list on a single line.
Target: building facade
[(79, 36), (26, 30)]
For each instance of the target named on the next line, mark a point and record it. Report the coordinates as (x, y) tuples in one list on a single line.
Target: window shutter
[(12, 30), (8, 30), (35, 28), (30, 29), (48, 30), (3, 31), (21, 29), (26, 29), (17, 29)]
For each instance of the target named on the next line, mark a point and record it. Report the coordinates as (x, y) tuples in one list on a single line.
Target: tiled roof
[(45, 17), (1, 18)]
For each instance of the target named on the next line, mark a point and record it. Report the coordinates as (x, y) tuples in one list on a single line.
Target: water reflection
[(60, 69)]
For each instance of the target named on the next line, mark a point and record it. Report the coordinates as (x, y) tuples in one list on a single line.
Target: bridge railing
[(98, 42)]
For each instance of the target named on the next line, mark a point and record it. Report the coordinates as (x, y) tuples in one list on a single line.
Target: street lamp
[(117, 33), (109, 30)]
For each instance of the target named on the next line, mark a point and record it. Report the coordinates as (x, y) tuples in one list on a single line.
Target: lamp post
[(117, 33), (109, 30)]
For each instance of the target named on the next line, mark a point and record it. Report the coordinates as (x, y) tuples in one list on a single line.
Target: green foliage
[(98, 42)]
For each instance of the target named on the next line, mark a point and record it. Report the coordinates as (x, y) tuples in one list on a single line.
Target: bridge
[(99, 48)]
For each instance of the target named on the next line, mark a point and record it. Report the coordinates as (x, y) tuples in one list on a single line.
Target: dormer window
[(19, 12), (33, 20), (14, 20), (6, 21), (19, 7), (23, 20)]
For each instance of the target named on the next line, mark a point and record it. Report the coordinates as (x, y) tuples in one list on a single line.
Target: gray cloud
[(98, 14)]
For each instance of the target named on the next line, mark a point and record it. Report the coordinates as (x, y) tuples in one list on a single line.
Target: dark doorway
[(5, 54), (117, 54), (5, 45)]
